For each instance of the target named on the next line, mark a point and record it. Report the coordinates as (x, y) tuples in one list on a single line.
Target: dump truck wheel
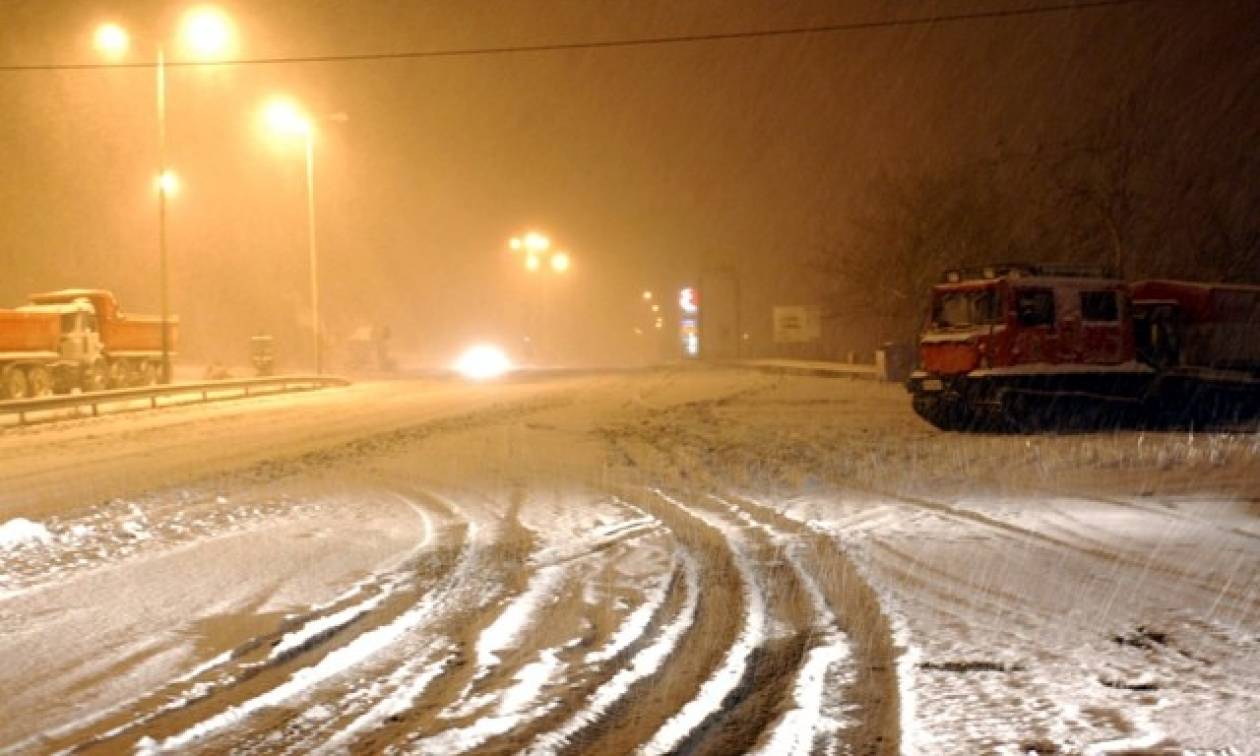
[(147, 373), (119, 374), (39, 382), (95, 376), (12, 383)]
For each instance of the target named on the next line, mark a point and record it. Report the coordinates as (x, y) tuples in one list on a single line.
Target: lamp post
[(285, 118), (206, 32), (310, 239), (165, 184), (540, 256)]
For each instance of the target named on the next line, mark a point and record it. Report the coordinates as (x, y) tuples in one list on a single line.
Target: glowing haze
[(647, 165)]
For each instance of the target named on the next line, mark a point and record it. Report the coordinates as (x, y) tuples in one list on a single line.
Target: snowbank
[(20, 532)]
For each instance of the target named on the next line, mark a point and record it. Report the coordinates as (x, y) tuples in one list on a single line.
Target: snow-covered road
[(700, 561)]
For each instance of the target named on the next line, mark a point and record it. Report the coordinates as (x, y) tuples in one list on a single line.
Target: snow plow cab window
[(958, 309), (1035, 307), (1099, 306)]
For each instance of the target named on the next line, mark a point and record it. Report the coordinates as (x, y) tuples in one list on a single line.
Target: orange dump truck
[(77, 338)]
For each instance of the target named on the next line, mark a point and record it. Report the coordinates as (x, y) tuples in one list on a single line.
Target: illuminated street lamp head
[(112, 40), (207, 32), (515, 244), (536, 242), (283, 117), (532, 263), (647, 295), (560, 262), (167, 184)]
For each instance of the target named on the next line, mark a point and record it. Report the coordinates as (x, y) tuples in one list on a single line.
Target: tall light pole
[(206, 32), (540, 256), (310, 239), (285, 118), (164, 187)]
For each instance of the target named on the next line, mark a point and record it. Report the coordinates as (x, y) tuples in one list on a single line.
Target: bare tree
[(910, 227), (1148, 194)]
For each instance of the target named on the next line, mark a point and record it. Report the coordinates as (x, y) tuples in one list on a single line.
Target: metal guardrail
[(205, 391)]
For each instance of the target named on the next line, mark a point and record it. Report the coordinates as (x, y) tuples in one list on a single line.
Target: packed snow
[(423, 566)]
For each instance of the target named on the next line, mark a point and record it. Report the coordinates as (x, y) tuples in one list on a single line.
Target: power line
[(458, 52)]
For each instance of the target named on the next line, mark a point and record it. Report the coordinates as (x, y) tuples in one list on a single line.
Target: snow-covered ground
[(685, 559)]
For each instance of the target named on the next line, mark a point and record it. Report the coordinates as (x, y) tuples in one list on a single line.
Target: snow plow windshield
[(967, 307)]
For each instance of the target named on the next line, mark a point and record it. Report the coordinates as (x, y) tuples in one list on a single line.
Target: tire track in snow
[(688, 458), (971, 517), (874, 701), (642, 665), (632, 704), (516, 705), (711, 698), (506, 701), (498, 687), (251, 692), (321, 627), (633, 627), (827, 664), (491, 539), (239, 665), (357, 651), (405, 686)]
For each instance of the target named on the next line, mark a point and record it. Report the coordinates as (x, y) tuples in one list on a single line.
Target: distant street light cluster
[(538, 252)]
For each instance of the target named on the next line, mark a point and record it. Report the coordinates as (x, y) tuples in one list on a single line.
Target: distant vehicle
[(1025, 346), (368, 349), (262, 353), (77, 338)]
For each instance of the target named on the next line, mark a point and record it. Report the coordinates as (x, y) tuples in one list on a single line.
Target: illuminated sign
[(689, 301), (688, 324)]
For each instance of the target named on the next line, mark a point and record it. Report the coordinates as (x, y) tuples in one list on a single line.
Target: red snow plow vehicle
[(77, 338), (1022, 346)]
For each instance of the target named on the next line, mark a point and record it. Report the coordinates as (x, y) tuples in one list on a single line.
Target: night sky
[(650, 164)]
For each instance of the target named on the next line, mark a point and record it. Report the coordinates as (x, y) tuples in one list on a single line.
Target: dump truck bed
[(29, 332)]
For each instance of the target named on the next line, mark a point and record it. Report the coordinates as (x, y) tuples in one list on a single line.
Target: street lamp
[(538, 249), (536, 242), (205, 32), (538, 252), (560, 262), (286, 119), (112, 40)]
